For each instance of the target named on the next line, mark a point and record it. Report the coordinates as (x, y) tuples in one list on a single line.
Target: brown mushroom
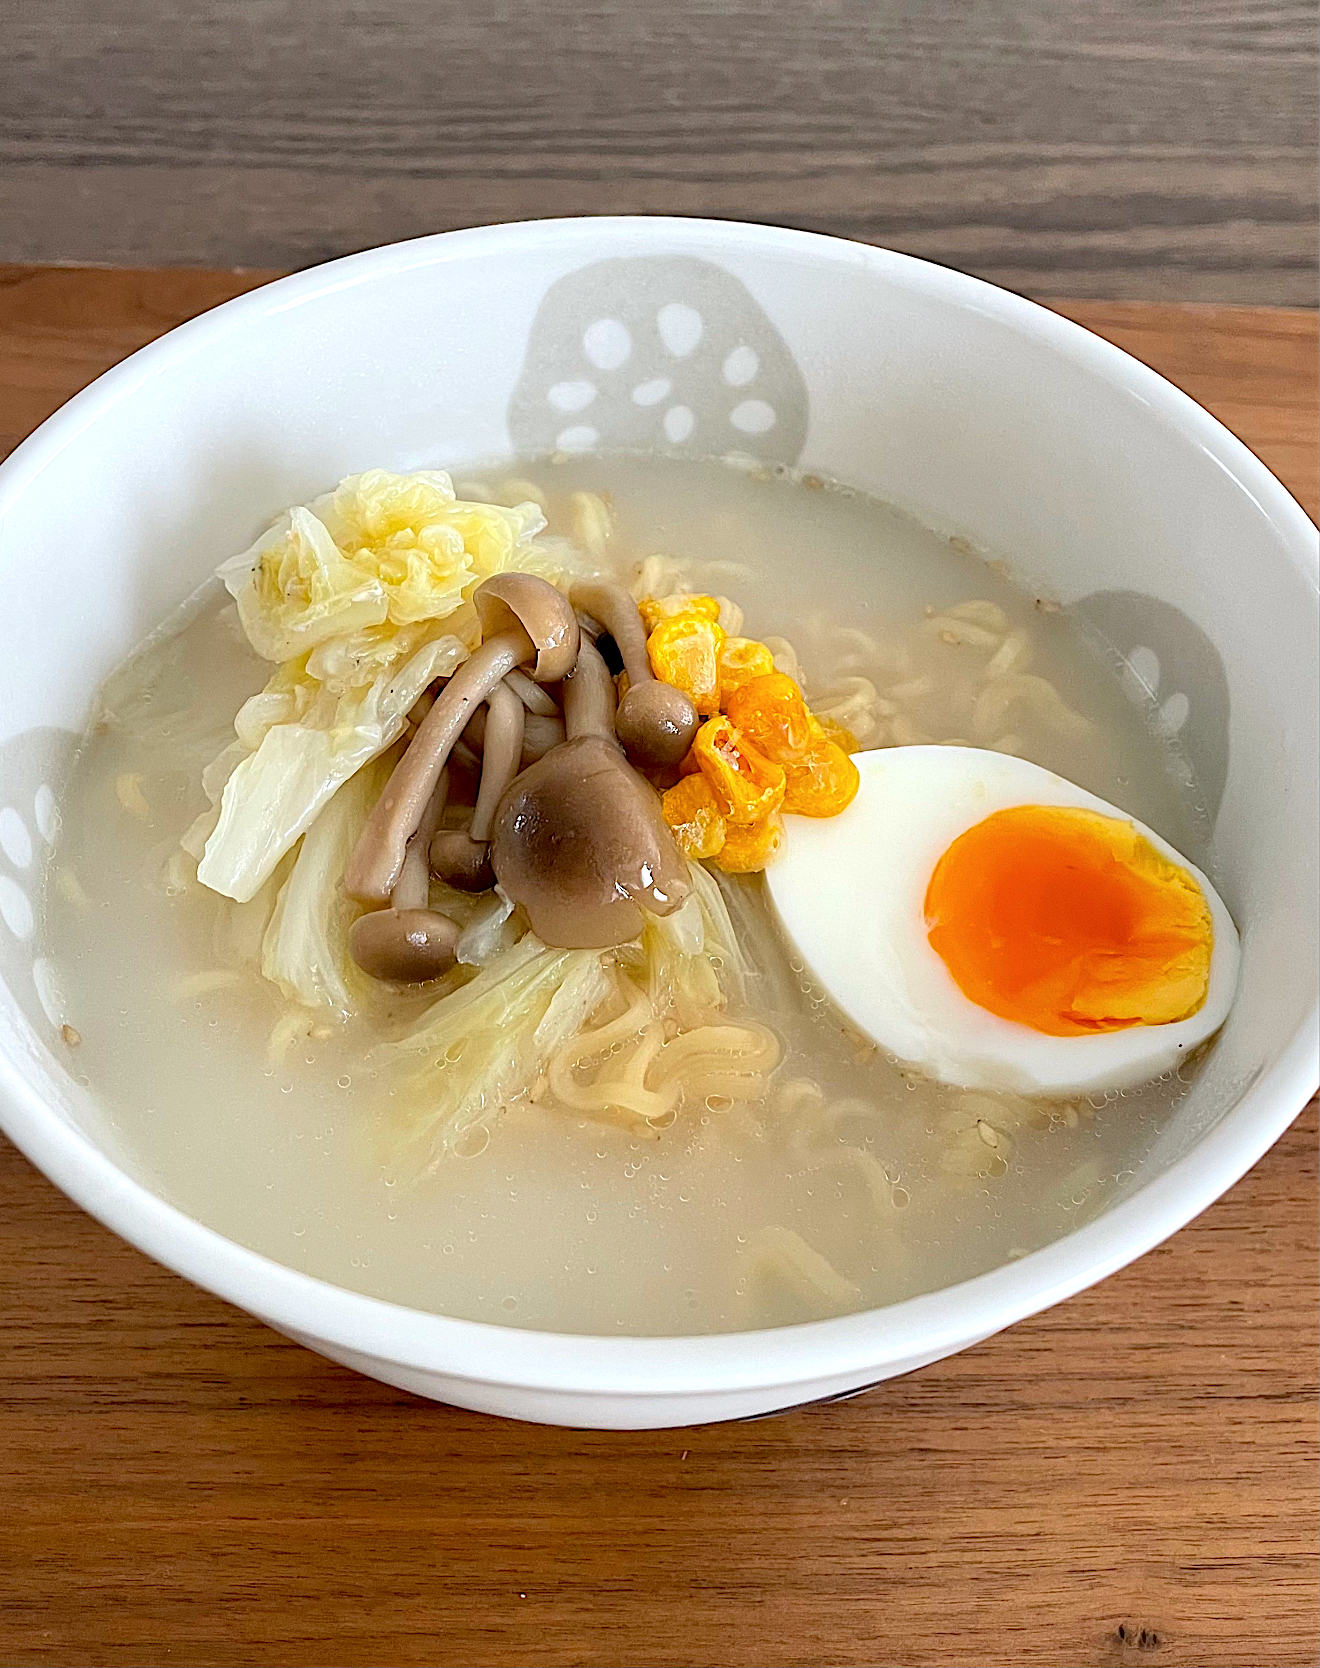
[(591, 627), (525, 622), (468, 757), (655, 722), (412, 890), (539, 734), (579, 840), (501, 757), (459, 855), (532, 696), (408, 943), (462, 862), (589, 696), (404, 946)]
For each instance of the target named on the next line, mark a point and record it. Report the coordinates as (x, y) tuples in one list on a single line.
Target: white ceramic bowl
[(983, 414)]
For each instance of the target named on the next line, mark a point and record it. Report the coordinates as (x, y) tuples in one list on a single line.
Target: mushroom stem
[(501, 756), (618, 613), (466, 755), (373, 869), (589, 695), (412, 890), (539, 736), (524, 621), (409, 942), (532, 696), (655, 721)]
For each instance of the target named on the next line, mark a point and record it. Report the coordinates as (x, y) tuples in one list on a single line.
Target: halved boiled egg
[(999, 928)]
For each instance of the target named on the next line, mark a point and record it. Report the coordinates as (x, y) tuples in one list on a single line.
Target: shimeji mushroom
[(655, 722), (579, 840), (462, 855), (540, 735), (525, 622), (532, 696), (409, 942), (540, 732)]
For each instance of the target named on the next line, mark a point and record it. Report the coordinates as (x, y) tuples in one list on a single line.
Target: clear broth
[(560, 1222)]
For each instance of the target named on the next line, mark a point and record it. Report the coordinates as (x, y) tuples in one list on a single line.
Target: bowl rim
[(873, 1341)]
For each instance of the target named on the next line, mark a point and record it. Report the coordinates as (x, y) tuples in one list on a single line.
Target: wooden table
[(1129, 1478), (1116, 148)]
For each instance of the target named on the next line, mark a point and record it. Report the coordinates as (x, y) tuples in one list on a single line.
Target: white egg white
[(849, 892)]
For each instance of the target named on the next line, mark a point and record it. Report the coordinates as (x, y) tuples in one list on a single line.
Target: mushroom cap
[(462, 861), (656, 723), (580, 842), (545, 614), (404, 946)]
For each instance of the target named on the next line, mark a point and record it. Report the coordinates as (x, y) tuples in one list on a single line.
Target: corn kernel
[(655, 609), (747, 850), (822, 783), (685, 651), (747, 785), (741, 660), (691, 811), (772, 714)]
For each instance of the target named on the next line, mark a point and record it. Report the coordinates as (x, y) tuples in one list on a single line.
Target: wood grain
[(1118, 148), (1127, 1479)]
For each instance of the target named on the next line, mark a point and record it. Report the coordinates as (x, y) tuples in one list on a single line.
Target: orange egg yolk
[(1069, 922)]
